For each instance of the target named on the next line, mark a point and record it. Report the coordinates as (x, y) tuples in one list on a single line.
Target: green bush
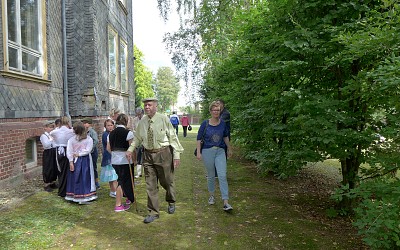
[(378, 213)]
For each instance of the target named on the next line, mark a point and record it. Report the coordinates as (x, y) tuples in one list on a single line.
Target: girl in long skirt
[(81, 186), (60, 138), (50, 171)]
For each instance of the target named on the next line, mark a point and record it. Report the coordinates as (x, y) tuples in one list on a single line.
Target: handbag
[(201, 141), (190, 128)]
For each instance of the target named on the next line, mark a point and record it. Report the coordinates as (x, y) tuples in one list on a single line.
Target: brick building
[(59, 57)]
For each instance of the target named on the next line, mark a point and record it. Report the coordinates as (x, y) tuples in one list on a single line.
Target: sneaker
[(113, 194), (97, 185), (138, 176), (211, 200), (128, 202), (227, 207), (150, 218), (171, 208), (48, 189), (121, 208)]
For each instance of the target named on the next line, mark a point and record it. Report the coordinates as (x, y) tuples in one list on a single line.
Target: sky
[(148, 32)]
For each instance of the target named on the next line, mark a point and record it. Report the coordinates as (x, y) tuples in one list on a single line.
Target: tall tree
[(317, 73), (143, 78), (166, 86)]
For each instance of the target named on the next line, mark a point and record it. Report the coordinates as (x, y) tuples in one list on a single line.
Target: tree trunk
[(350, 168)]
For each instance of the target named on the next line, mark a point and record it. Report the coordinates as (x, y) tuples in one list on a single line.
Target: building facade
[(59, 57)]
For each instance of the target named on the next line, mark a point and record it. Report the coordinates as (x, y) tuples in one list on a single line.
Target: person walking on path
[(108, 173), (117, 144), (174, 118), (81, 186), (88, 123), (214, 134), (225, 116), (61, 137), (50, 170), (185, 124), (139, 151), (161, 156)]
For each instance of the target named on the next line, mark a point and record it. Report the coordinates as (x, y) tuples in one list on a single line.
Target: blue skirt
[(81, 183), (108, 174)]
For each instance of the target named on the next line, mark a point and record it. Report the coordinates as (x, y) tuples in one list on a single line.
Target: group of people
[(68, 157), (150, 141), (174, 119)]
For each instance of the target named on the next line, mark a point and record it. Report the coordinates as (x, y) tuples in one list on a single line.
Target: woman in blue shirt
[(212, 138)]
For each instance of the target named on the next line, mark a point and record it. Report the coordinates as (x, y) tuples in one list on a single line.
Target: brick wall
[(13, 137)]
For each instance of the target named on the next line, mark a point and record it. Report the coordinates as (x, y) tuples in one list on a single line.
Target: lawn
[(268, 214)]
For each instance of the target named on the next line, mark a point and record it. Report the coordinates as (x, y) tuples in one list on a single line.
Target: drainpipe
[(65, 76)]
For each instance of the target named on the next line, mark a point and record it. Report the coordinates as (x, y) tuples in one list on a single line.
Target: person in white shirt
[(117, 143), (49, 171), (61, 137)]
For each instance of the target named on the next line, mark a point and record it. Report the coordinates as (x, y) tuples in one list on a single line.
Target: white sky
[(148, 32)]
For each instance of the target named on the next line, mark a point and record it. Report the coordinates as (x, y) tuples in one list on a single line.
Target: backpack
[(174, 120)]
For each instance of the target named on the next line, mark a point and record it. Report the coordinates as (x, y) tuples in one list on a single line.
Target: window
[(112, 58), (25, 36), (123, 55), (30, 153), (118, 62)]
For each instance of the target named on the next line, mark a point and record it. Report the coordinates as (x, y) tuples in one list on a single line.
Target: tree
[(166, 86), (143, 78), (309, 69)]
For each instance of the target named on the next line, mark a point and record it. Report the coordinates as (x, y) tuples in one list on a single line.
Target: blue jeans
[(214, 159)]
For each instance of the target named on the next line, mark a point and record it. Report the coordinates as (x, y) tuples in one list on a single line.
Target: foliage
[(143, 78), (166, 86), (378, 212), (306, 81)]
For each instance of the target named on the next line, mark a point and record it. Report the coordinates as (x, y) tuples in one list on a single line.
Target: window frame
[(123, 47), (115, 84), (22, 50), (31, 162)]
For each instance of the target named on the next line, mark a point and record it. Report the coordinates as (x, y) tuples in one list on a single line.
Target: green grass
[(266, 216)]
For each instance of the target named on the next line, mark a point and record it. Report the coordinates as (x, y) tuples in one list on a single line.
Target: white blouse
[(82, 148), (62, 135)]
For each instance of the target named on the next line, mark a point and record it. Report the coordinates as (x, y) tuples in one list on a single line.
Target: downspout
[(65, 76)]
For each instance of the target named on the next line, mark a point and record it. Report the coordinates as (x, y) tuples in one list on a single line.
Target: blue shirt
[(214, 136)]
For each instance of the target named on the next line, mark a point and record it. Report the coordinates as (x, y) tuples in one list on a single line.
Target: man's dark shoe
[(48, 189), (171, 208), (150, 218)]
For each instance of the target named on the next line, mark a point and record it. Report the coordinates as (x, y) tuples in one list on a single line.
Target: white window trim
[(32, 163), (41, 53), (124, 87), (115, 85)]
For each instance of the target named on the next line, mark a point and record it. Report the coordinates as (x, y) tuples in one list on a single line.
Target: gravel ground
[(12, 194)]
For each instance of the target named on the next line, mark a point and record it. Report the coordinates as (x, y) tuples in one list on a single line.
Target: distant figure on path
[(174, 118), (185, 123)]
